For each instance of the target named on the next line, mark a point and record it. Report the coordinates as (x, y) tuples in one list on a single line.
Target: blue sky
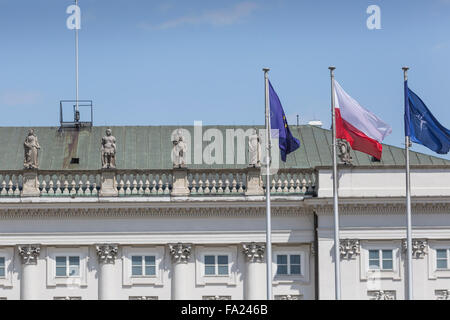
[(172, 62)]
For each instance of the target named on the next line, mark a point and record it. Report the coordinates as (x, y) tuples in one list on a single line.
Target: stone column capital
[(107, 253), (349, 248), (29, 253), (254, 251), (180, 252), (419, 247)]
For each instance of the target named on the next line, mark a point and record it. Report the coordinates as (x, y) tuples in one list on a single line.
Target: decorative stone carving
[(349, 248), (381, 295), (254, 252), (107, 253), (31, 154), (216, 297), (108, 150), (180, 252), (442, 294), (254, 150), (288, 297), (179, 151), (344, 151), (29, 253), (419, 247), (144, 298)]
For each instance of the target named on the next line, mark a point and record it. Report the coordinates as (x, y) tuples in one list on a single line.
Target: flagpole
[(408, 201), (268, 216), (77, 112), (337, 254)]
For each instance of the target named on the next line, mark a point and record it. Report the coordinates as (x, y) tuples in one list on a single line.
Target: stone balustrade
[(135, 183)]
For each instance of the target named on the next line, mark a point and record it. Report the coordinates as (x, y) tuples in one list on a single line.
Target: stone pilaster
[(181, 254), (254, 280), (107, 286), (29, 279)]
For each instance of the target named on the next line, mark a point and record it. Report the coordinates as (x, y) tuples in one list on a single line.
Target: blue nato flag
[(422, 127), (287, 142)]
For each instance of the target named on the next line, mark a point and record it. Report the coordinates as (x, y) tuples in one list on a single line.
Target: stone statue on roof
[(344, 151), (31, 147), (179, 151), (108, 150), (254, 149)]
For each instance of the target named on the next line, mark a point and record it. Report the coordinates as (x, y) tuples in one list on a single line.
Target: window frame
[(143, 266), (3, 267), (230, 279), (81, 252), (447, 259), (7, 253), (67, 266), (433, 271), (381, 259), (128, 279), (367, 274), (304, 251), (289, 264), (216, 265)]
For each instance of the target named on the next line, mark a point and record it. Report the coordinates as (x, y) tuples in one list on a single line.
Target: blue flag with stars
[(422, 127), (287, 142)]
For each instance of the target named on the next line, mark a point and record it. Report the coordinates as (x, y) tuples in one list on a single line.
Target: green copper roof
[(149, 147)]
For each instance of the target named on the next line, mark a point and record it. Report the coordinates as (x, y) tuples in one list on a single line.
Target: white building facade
[(137, 232)]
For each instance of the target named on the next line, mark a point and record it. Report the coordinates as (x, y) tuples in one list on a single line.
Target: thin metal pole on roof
[(77, 112), (408, 202), (268, 215), (337, 254)]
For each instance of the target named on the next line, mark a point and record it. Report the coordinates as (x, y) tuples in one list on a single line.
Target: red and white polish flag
[(361, 128)]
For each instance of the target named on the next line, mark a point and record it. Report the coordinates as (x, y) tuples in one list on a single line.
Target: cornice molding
[(382, 207), (145, 212)]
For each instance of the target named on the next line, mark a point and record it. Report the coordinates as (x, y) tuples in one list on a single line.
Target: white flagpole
[(268, 217), (77, 116), (337, 255), (408, 207)]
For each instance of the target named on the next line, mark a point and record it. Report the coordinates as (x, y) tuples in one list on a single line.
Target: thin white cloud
[(220, 17), (18, 98), (441, 45)]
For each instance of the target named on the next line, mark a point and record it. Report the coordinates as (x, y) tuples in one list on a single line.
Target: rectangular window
[(143, 266), (2, 267), (216, 265), (381, 260), (442, 258), (288, 264), (67, 266)]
